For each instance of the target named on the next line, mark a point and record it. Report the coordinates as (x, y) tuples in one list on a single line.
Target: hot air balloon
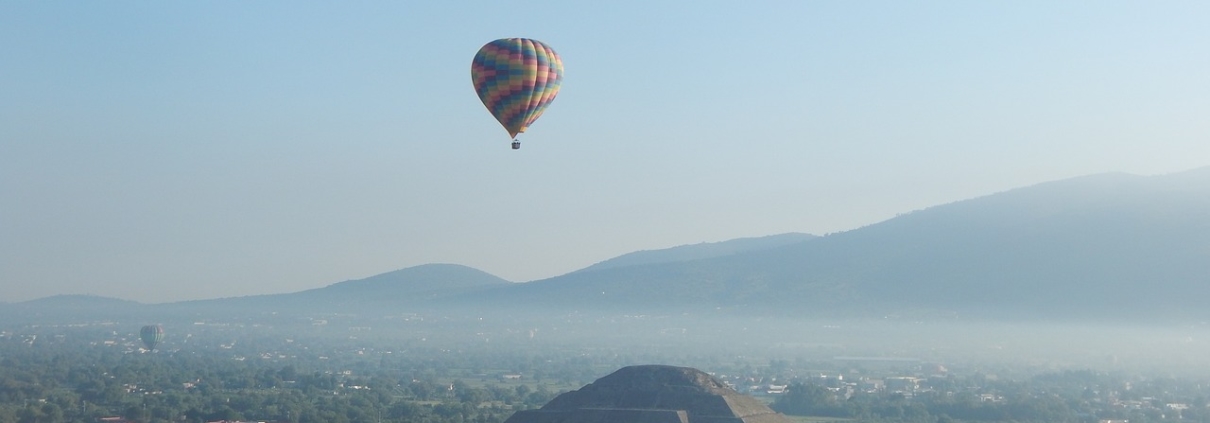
[(516, 78), (151, 335)]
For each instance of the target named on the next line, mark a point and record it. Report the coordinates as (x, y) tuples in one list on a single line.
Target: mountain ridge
[(699, 251), (1105, 245), (1077, 247)]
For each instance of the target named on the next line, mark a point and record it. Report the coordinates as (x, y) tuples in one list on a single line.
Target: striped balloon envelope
[(516, 78), (151, 335)]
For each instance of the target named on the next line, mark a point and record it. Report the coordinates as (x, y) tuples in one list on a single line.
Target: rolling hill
[(700, 251), (410, 288), (1106, 246), (1101, 246)]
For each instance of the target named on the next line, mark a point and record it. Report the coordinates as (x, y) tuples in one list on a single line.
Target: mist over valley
[(1105, 271)]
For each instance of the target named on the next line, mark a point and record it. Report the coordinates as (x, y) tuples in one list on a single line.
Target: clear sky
[(165, 151)]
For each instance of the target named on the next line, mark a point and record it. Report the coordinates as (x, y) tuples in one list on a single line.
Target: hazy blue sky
[(163, 151)]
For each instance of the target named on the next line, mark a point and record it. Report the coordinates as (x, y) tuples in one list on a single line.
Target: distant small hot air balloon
[(151, 335), (516, 78)]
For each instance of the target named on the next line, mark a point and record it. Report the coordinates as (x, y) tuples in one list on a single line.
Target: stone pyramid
[(652, 394)]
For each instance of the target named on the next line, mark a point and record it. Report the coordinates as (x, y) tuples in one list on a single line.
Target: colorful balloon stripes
[(516, 78)]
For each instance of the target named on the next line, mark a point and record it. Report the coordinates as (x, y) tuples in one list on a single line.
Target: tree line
[(1061, 397), (81, 385)]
